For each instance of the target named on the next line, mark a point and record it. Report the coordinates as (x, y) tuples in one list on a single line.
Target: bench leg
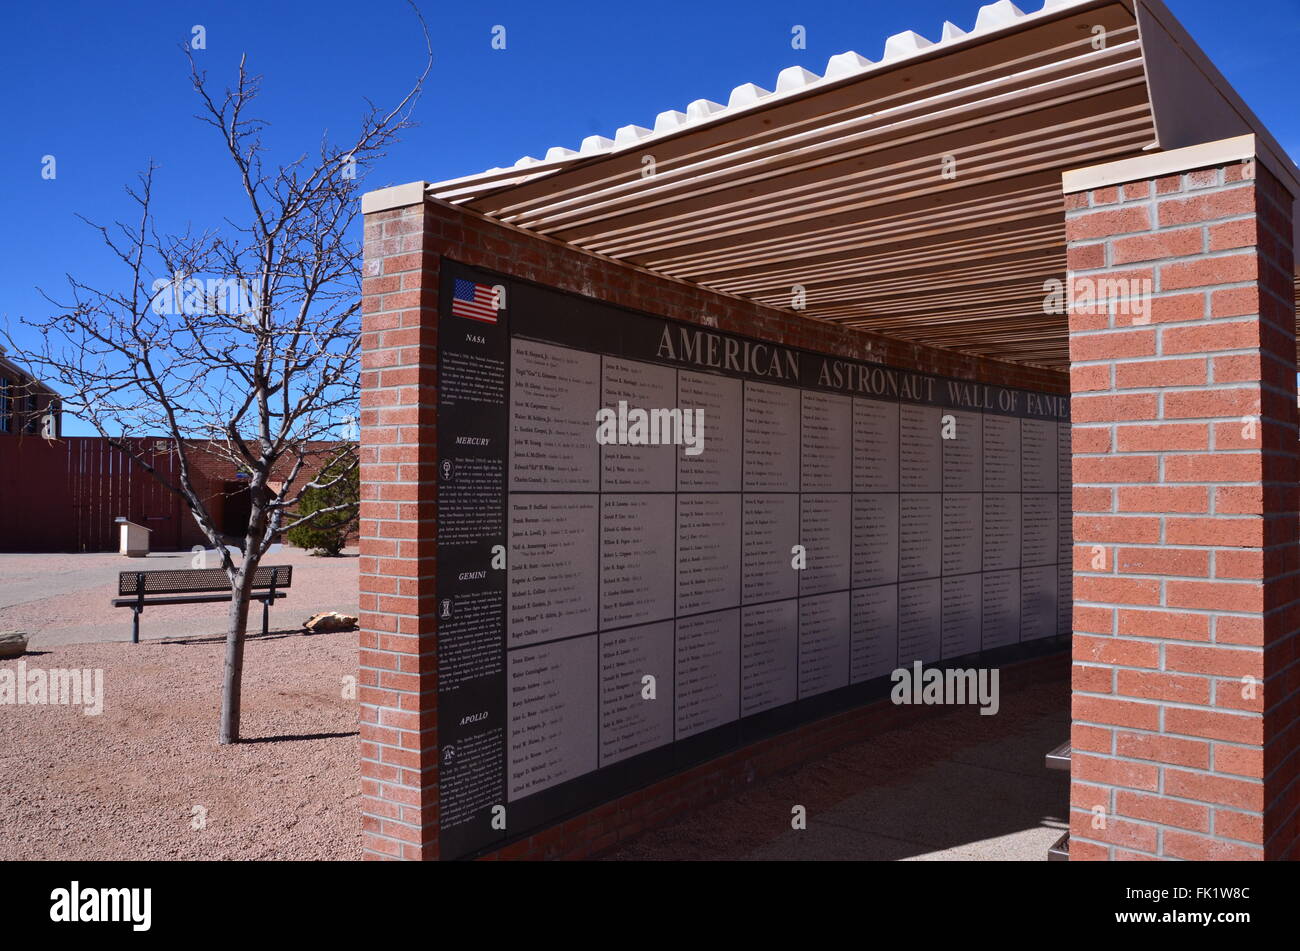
[(135, 625), (266, 616)]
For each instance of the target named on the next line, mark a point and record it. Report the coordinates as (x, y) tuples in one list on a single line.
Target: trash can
[(135, 539)]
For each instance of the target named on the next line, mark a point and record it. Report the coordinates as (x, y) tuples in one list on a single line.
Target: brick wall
[(24, 402), (1185, 521), (397, 682), (63, 495)]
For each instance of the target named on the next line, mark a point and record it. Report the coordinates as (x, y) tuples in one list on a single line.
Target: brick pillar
[(1185, 520), (396, 685)]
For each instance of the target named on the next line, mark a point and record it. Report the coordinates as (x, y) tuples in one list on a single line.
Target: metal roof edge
[(994, 19), (1185, 114)]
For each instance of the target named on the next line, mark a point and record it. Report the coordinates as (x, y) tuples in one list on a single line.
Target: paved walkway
[(958, 787), (66, 598)]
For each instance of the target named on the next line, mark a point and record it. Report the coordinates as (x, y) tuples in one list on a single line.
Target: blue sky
[(103, 88)]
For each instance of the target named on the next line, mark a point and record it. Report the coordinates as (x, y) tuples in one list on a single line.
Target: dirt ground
[(135, 781)]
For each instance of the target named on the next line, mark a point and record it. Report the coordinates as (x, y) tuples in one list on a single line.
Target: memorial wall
[(611, 613)]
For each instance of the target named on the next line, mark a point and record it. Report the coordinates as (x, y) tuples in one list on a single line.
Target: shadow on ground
[(298, 736), (958, 786)]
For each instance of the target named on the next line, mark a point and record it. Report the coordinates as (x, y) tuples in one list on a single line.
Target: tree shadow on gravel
[(248, 638), (299, 736)]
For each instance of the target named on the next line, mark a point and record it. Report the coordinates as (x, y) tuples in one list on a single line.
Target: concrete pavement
[(955, 787), (64, 598)]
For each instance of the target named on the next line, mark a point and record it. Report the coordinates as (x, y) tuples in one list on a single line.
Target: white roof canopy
[(918, 196)]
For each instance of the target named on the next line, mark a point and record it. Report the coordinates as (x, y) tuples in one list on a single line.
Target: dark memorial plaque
[(637, 543), (1065, 502), (920, 536), (769, 532), (826, 448), (553, 713), (1001, 454), (920, 447), (769, 656), (1064, 530), (1038, 455), (873, 650), (875, 539), (875, 446), (1064, 458), (553, 543), (474, 439), (919, 635), (771, 433), (708, 552), (717, 468), (963, 452), (825, 527), (823, 643), (630, 468), (554, 396), (708, 656), (636, 714), (612, 610), (1064, 599), (1039, 520), (1001, 529), (963, 599), (1000, 618), (1037, 603), (963, 543)]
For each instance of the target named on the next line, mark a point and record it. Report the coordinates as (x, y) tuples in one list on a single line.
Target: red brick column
[(396, 685), (1185, 672)]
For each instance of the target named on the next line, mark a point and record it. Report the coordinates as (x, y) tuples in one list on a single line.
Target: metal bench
[(1059, 758), (195, 586)]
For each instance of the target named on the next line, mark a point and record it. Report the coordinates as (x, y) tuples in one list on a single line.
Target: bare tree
[(238, 342)]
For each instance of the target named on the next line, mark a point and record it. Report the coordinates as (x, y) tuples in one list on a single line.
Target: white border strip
[(1237, 149), (396, 196)]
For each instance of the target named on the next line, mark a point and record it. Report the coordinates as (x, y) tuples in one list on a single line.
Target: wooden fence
[(64, 495)]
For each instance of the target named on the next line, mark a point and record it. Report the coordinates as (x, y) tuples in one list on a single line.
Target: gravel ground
[(125, 784), (65, 598)]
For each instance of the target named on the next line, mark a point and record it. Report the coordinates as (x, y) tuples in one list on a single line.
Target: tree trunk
[(232, 676), (237, 620)]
